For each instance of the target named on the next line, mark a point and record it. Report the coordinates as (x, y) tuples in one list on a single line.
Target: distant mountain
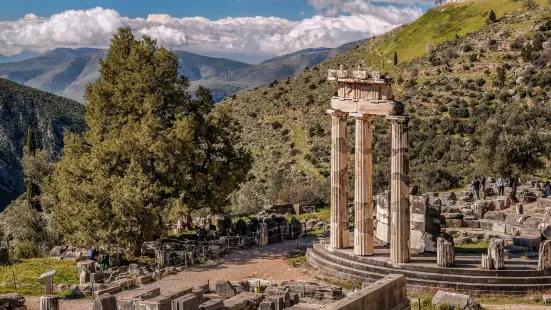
[(66, 72), (19, 57), (23, 108)]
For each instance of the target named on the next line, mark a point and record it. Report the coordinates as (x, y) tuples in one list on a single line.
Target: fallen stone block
[(547, 299), (224, 289), (186, 302), (278, 300), (12, 300), (213, 304), (455, 300), (144, 280), (109, 290), (453, 223), (105, 302)]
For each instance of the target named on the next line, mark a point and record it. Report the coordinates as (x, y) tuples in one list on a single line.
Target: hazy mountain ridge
[(66, 72)]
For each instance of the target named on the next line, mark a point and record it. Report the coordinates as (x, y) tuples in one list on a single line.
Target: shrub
[(467, 48)]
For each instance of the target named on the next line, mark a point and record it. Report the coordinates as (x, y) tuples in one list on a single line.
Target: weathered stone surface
[(224, 289), (495, 215), (186, 302), (400, 189), (544, 257), (213, 304), (455, 300), (453, 223), (543, 203), (12, 300), (445, 253), (105, 302), (547, 299), (496, 255), (267, 305)]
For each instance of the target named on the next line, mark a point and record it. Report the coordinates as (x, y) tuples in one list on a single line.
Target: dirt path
[(266, 263)]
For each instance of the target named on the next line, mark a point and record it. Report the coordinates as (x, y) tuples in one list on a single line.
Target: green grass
[(323, 214), (438, 25), (480, 247), (28, 271)]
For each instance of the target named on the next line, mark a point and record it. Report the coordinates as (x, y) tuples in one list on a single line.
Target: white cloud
[(247, 35)]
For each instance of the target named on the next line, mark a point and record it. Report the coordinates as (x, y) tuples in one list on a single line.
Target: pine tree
[(33, 190), (151, 150), (395, 58), (492, 16)]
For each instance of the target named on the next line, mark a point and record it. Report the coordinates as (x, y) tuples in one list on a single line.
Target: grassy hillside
[(448, 92)]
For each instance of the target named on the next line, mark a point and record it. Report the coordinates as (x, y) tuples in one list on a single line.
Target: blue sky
[(212, 9), (258, 29)]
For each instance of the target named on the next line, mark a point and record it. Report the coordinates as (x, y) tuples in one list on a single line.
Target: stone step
[(526, 268), (351, 271)]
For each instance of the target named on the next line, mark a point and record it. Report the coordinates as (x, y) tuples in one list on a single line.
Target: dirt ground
[(266, 263)]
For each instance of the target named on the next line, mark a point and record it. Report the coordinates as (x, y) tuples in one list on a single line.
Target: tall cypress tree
[(33, 190), (395, 58)]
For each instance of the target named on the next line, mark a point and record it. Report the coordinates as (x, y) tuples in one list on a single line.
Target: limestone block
[(213, 304), (186, 302), (267, 305), (278, 300), (105, 302), (543, 203), (109, 290), (495, 215), (12, 300), (144, 280), (547, 299), (49, 302), (453, 223), (224, 289), (460, 301)]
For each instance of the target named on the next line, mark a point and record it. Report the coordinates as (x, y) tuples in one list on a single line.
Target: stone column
[(399, 192), (363, 190), (339, 180)]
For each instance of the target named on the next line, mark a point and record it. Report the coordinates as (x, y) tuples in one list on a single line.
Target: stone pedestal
[(363, 190), (339, 180), (544, 259), (49, 302), (445, 253), (496, 255), (400, 189), (520, 208)]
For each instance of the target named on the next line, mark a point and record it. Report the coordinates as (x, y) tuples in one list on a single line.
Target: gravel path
[(266, 263)]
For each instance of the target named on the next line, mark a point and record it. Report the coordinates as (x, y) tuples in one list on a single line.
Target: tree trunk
[(49, 302), (138, 246), (513, 193)]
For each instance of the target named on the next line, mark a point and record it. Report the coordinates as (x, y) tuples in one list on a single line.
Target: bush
[(467, 48)]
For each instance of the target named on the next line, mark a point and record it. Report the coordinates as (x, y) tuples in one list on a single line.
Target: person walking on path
[(548, 188), (500, 187), (476, 188), (483, 185)]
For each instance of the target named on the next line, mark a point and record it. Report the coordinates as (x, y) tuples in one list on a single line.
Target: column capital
[(398, 118), (362, 116), (337, 113)]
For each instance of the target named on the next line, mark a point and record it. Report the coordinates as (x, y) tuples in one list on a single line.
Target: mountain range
[(65, 71)]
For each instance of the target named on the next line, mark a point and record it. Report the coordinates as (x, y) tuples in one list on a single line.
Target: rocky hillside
[(66, 72), (447, 77), (23, 108)]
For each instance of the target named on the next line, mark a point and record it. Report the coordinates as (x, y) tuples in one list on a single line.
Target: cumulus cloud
[(247, 35)]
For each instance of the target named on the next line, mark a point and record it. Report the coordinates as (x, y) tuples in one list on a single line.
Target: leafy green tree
[(513, 143), (395, 58), (151, 150)]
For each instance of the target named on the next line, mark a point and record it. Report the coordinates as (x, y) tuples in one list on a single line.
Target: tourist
[(483, 184), (500, 187), (547, 188), (476, 188)]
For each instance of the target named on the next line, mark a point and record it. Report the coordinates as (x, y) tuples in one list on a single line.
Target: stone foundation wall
[(392, 287)]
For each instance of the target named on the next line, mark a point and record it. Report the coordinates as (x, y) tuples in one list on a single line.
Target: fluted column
[(399, 193), (339, 180), (363, 188)]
